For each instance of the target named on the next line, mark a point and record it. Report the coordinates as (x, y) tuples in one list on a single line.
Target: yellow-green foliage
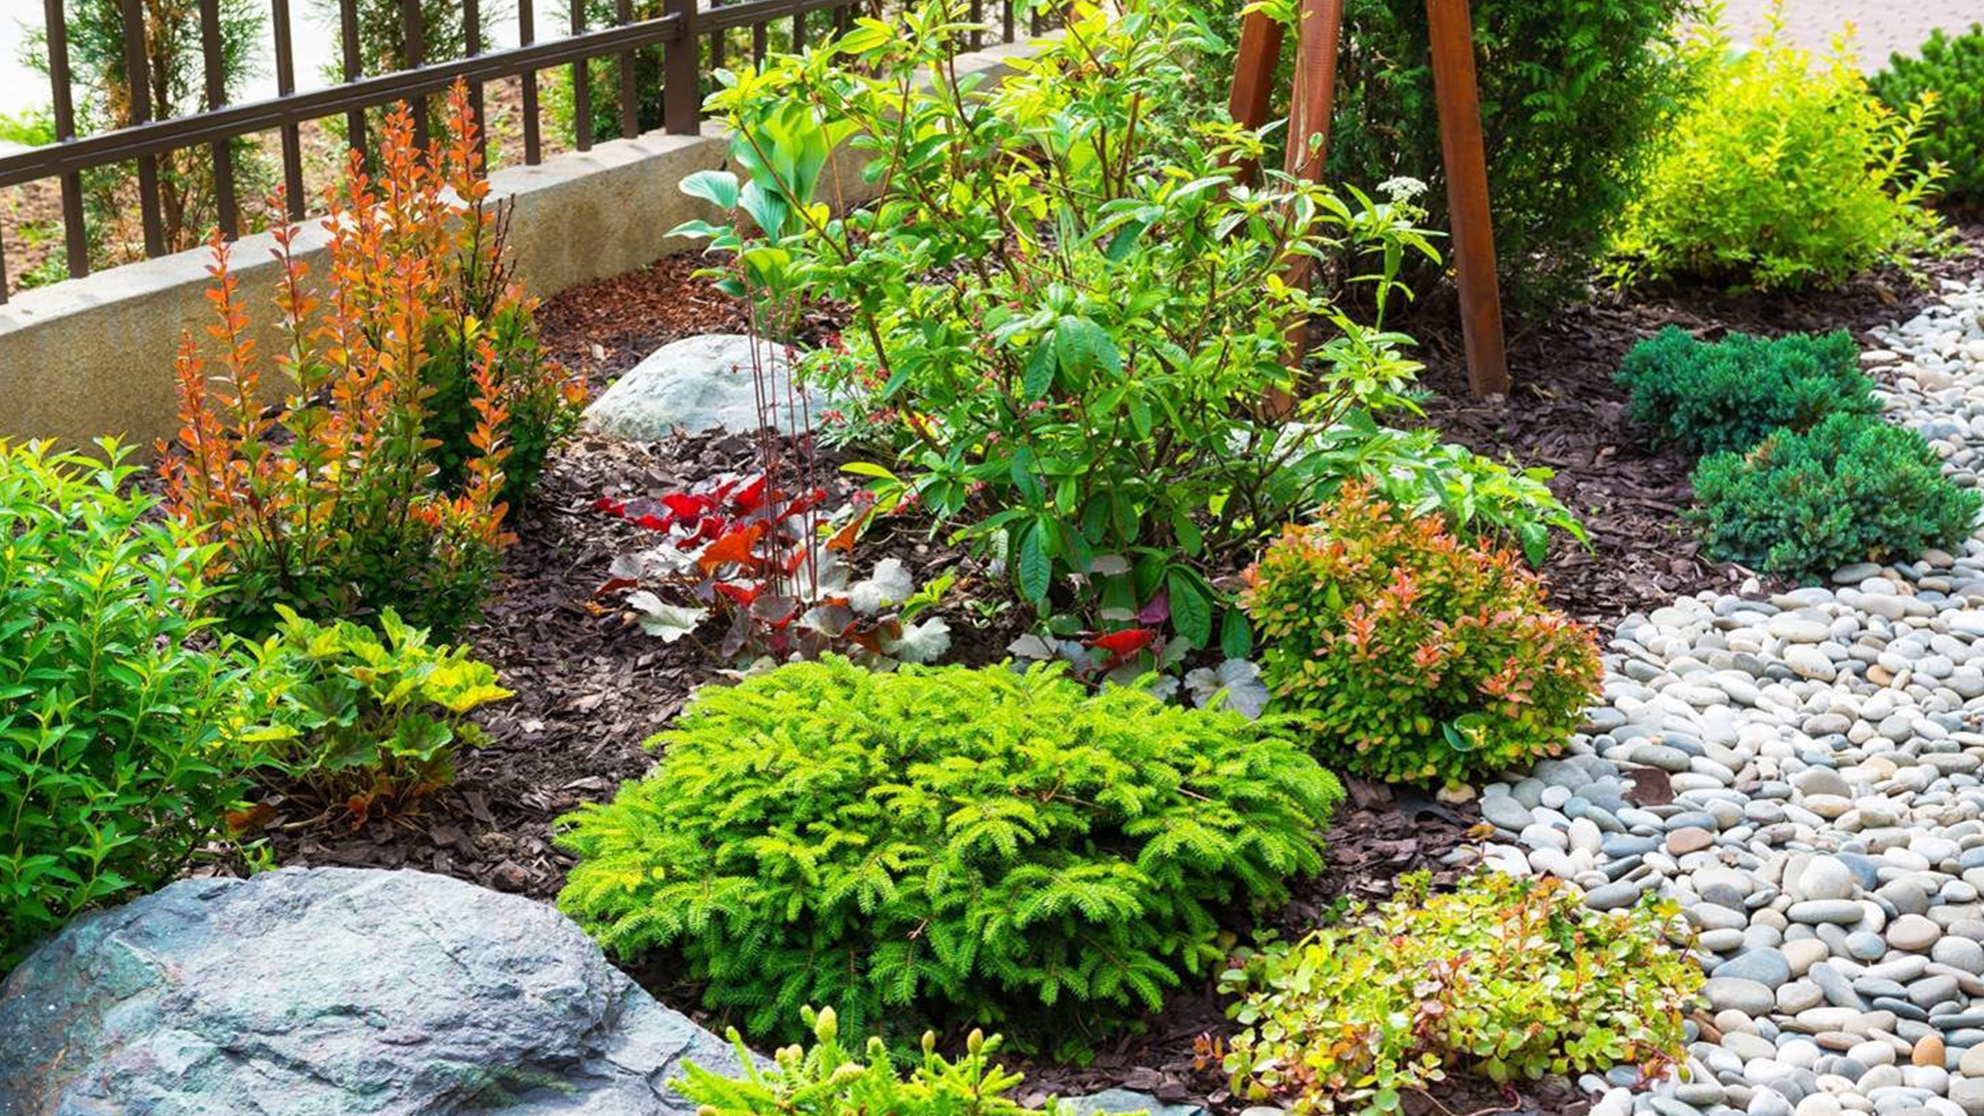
[(1511, 978), (360, 718), (829, 1081), (1410, 654), (945, 844), (1785, 171)]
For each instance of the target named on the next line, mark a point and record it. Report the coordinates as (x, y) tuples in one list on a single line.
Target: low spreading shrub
[(1950, 67), (1780, 174), (944, 844), (118, 751), (1728, 394), (382, 482), (829, 1081), (1410, 654), (1067, 314), (363, 722), (1511, 978), (1851, 489)]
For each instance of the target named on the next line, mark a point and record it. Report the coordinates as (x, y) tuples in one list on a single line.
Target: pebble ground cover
[(1801, 771)]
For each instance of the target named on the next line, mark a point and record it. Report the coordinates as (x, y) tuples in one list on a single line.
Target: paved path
[(1884, 26)]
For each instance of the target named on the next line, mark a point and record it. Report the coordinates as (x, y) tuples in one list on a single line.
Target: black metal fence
[(692, 40)]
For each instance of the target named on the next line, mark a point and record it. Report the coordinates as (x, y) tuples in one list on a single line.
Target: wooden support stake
[(1451, 35), (1320, 26), (1253, 75)]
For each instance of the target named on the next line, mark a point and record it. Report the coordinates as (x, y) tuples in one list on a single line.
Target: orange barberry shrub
[(1412, 655), (335, 505)]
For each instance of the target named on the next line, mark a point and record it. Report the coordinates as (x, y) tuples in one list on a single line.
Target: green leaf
[(1236, 636), (1191, 611), (1039, 370), (717, 187), (1035, 568)]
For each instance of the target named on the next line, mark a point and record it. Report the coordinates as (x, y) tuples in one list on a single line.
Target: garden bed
[(591, 687)]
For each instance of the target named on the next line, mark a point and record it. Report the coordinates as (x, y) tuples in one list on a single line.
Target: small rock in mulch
[(713, 381)]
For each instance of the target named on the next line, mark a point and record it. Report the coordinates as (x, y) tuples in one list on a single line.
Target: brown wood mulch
[(591, 687), (1566, 414)]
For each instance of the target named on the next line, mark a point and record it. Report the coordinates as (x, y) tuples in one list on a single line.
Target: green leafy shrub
[(118, 750), (828, 1081), (31, 127), (362, 721), (1780, 174), (1081, 390), (1410, 654), (1511, 978), (1951, 67), (946, 844), (1574, 97), (1728, 394), (1852, 489)]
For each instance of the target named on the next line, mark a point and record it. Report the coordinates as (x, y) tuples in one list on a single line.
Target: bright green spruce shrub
[(1780, 174), (1409, 654), (944, 845), (1064, 313), (1511, 978), (829, 1081), (118, 755), (1728, 394), (1951, 67), (1852, 489), (367, 722)]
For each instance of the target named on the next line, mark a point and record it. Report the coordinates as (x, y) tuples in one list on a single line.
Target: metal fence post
[(681, 98)]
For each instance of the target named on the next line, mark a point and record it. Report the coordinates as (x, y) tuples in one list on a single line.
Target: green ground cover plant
[(1951, 69), (1725, 395), (1511, 978), (1410, 655), (1067, 318), (1851, 489), (1781, 174), (828, 1080), (367, 721), (120, 749), (944, 846)]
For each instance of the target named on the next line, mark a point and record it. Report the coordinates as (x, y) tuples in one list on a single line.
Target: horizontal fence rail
[(691, 41)]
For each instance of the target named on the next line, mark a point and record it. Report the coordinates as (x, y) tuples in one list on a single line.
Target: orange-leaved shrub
[(380, 483), (1410, 654)]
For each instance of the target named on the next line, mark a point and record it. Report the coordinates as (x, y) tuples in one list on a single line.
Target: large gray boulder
[(701, 383), (313, 992)]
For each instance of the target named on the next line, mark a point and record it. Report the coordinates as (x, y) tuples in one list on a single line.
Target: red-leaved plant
[(761, 551), (334, 505)]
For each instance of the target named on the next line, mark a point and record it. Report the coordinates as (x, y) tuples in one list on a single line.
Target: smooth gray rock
[(696, 384), (312, 992), (1746, 996), (1113, 1102)]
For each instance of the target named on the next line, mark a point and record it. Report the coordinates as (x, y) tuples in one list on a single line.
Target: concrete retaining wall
[(93, 356)]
